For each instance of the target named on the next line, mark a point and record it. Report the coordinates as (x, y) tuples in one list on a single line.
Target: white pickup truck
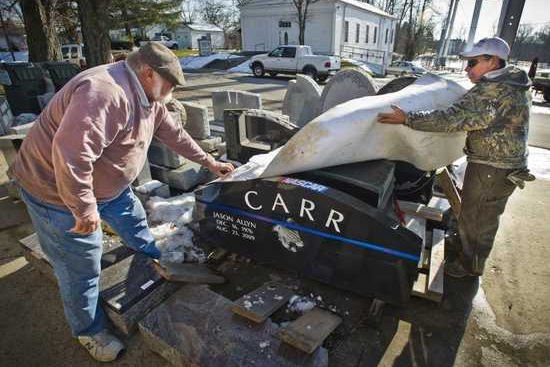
[(164, 40), (292, 60)]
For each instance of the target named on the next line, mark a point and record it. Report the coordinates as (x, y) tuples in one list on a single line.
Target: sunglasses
[(473, 62)]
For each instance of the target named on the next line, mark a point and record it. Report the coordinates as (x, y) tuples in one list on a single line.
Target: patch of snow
[(176, 209), (173, 238), (22, 56), (301, 304), (198, 62), (539, 162), (264, 344), (148, 187), (241, 68)]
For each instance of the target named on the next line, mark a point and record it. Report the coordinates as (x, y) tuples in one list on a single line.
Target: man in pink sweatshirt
[(75, 167)]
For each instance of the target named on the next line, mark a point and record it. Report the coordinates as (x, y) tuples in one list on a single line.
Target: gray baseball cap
[(162, 60), (493, 46)]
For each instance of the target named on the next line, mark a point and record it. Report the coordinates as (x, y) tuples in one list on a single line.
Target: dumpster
[(60, 72), (27, 82)]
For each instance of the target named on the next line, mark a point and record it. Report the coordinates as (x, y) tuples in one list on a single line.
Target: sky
[(535, 13)]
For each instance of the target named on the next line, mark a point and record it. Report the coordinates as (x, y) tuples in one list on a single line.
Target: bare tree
[(39, 19), (302, 8), (216, 12), (94, 18), (189, 12)]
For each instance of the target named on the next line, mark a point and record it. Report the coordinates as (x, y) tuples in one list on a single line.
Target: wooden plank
[(437, 264), (417, 225), (440, 203), (399, 343), (420, 210), (447, 186), (310, 330), (261, 303), (420, 286)]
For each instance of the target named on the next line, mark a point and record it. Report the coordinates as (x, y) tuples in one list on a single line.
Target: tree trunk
[(40, 28), (94, 18), (410, 48)]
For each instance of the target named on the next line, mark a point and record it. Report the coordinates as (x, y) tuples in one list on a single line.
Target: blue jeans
[(76, 258)]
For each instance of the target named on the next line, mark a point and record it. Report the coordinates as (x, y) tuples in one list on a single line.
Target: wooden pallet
[(430, 281)]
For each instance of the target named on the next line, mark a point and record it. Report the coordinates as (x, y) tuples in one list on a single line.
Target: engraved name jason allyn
[(307, 209)]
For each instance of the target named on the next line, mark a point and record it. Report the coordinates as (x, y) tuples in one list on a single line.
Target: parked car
[(164, 40), (401, 68), (293, 60), (74, 53)]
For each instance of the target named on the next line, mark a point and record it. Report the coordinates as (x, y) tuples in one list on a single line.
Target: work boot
[(103, 346), (456, 270)]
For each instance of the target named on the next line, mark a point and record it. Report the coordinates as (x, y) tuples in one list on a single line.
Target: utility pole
[(473, 25), (443, 35), (450, 33), (508, 22)]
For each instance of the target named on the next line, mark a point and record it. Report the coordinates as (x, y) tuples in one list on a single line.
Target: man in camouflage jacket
[(495, 115)]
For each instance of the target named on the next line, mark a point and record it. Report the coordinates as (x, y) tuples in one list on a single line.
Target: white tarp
[(349, 133)]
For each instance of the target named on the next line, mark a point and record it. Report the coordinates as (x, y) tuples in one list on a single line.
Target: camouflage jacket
[(495, 115)]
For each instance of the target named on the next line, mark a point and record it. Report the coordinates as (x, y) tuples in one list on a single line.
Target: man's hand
[(221, 169), (86, 225), (397, 117)]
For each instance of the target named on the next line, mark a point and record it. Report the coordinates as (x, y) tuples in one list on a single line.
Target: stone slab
[(261, 303), (234, 99), (184, 178), (150, 189), (20, 129), (309, 330), (121, 281), (195, 327), (302, 100), (197, 124), (346, 85), (161, 155), (210, 144), (127, 281)]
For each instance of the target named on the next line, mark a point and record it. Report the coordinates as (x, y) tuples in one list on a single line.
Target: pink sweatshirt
[(91, 141)]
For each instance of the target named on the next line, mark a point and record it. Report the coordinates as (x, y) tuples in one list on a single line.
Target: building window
[(346, 31), (357, 29), (283, 24), (391, 37), (375, 31), (367, 34), (387, 33), (286, 38)]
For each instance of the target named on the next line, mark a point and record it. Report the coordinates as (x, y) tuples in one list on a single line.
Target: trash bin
[(27, 82), (60, 72)]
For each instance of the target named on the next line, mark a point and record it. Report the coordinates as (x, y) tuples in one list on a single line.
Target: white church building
[(347, 28)]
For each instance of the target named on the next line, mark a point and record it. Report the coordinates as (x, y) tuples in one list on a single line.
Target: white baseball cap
[(493, 46)]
